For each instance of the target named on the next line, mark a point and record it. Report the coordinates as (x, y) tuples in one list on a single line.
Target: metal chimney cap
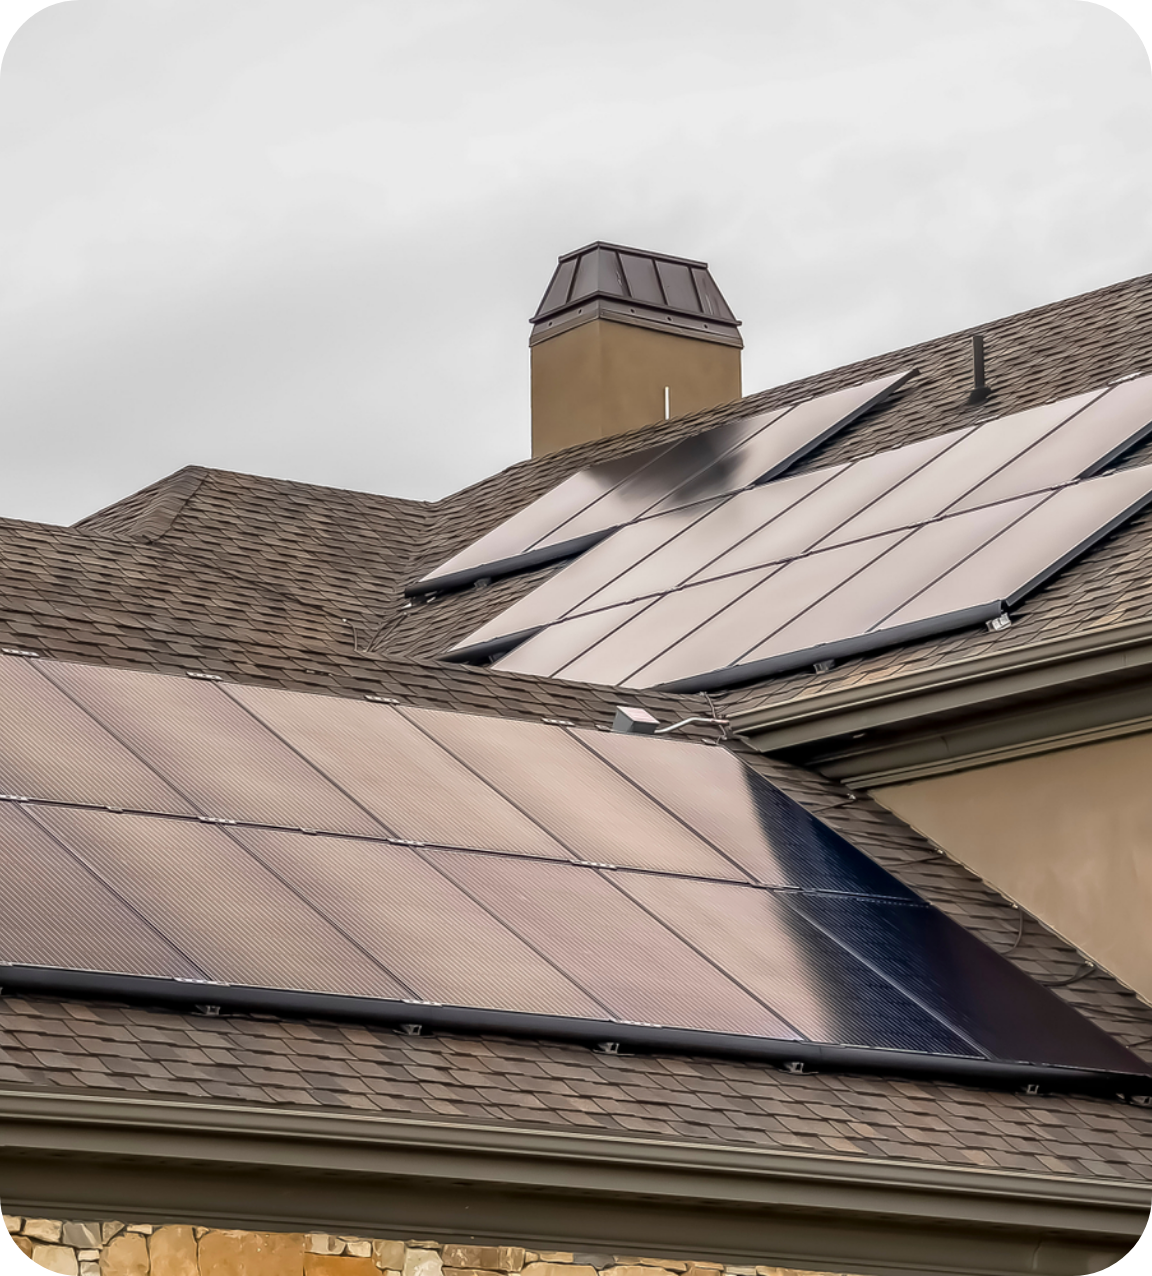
[(633, 285)]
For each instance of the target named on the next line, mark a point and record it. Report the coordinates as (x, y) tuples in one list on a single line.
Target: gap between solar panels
[(498, 875), (935, 536)]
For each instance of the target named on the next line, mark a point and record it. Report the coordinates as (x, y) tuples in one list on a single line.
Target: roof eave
[(278, 1168), (1026, 699)]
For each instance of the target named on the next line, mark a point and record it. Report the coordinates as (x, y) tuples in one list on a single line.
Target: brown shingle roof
[(259, 579), (109, 1048)]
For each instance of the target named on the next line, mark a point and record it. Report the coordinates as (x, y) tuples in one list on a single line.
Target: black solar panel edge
[(639, 1037)]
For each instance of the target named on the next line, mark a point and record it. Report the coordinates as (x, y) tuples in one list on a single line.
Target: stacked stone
[(141, 1249)]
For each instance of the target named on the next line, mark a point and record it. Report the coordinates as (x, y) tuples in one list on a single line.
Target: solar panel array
[(589, 505), (921, 539), (184, 830)]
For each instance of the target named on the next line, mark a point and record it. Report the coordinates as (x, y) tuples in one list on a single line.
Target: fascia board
[(287, 1170), (979, 682)]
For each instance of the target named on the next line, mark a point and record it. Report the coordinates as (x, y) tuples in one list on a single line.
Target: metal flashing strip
[(255, 1166), (640, 1036)]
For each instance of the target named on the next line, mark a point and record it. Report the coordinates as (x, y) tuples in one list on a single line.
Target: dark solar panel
[(540, 769), (57, 913), (51, 748), (963, 981), (560, 644), (589, 504), (211, 750), (808, 979), (237, 921), (666, 622), (416, 923), (1086, 443), (732, 910), (1029, 551), (885, 583), (390, 767), (773, 838), (981, 453), (625, 958), (784, 594), (594, 570)]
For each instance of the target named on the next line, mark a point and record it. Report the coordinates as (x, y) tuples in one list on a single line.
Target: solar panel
[(559, 645), (539, 769), (751, 586), (207, 747), (731, 522), (601, 879), (885, 583), (408, 916), (58, 913), (964, 982), (594, 570), (621, 955), (233, 918), (666, 620), (774, 839), (508, 546), (391, 768), (1080, 447), (51, 748), (590, 504), (768, 948), (721, 637), (982, 452), (1031, 550)]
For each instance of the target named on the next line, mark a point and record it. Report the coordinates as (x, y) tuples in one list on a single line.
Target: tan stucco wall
[(604, 378), (1068, 835)]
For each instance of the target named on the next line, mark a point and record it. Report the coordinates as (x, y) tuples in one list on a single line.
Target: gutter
[(986, 682), (231, 1165)]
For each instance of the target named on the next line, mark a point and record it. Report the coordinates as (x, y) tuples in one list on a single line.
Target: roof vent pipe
[(980, 389)]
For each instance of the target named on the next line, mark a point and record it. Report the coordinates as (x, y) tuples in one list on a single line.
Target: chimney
[(626, 337)]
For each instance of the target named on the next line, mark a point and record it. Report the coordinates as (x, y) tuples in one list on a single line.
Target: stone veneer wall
[(141, 1249)]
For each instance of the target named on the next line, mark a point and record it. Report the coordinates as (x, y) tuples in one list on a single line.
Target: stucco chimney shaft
[(623, 338)]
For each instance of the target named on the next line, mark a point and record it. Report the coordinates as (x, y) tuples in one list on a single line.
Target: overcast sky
[(303, 237)]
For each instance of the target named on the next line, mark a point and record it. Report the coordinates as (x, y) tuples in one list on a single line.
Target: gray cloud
[(303, 237)]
